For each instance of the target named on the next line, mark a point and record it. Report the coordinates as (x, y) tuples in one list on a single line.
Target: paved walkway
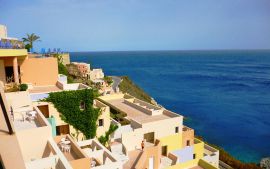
[(116, 81)]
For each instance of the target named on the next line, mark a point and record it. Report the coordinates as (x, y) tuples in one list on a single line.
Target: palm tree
[(31, 38)]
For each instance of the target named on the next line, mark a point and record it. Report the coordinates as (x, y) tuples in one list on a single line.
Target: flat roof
[(135, 114), (44, 89)]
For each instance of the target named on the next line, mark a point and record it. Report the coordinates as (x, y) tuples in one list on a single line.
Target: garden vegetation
[(105, 139), (127, 86)]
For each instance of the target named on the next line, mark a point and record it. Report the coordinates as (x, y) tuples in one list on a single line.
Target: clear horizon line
[(172, 50)]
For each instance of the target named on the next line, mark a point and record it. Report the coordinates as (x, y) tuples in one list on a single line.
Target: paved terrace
[(135, 114)]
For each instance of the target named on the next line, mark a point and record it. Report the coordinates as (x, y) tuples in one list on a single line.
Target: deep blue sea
[(224, 94)]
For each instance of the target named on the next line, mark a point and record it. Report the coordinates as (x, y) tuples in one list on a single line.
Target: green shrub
[(127, 86), (68, 104), (119, 117), (13, 87), (62, 69), (108, 80), (23, 87), (28, 47), (105, 139)]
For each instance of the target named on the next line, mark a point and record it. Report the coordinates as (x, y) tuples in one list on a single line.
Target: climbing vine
[(76, 108)]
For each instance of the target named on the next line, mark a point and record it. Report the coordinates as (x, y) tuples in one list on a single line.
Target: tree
[(28, 47), (30, 39)]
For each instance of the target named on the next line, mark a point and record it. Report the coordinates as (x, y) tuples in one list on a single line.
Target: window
[(194, 156), (188, 142), (82, 105), (176, 129), (100, 122)]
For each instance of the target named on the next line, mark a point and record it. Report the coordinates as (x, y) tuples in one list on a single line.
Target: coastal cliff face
[(128, 86)]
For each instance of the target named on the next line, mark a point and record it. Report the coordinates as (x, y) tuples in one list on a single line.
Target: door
[(164, 150), (151, 163), (44, 110), (9, 74), (62, 130)]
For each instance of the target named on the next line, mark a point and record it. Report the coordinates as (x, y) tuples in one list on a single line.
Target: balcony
[(12, 48), (209, 151), (13, 52), (28, 118), (51, 158), (211, 155), (73, 153), (11, 44), (186, 129), (100, 156)]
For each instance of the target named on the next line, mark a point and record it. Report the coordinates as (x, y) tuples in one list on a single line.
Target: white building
[(3, 31), (96, 74)]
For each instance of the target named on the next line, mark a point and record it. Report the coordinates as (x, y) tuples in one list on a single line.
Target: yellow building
[(167, 143)]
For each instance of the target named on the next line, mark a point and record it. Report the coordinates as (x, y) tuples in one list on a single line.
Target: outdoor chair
[(67, 148)]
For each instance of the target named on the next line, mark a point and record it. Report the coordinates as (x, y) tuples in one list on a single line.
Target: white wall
[(33, 142), (3, 31), (49, 162), (71, 86), (132, 140), (121, 129), (214, 158)]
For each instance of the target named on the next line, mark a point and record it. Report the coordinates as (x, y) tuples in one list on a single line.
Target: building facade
[(167, 142)]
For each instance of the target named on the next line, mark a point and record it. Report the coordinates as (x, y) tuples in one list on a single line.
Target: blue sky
[(105, 25)]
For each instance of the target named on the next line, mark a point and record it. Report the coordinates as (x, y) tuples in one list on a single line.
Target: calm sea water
[(224, 94)]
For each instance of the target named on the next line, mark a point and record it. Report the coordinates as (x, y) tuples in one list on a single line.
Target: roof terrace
[(44, 89), (136, 109)]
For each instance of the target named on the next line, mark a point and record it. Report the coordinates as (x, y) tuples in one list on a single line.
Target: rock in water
[(265, 163)]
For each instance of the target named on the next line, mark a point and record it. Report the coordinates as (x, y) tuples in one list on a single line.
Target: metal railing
[(11, 44)]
